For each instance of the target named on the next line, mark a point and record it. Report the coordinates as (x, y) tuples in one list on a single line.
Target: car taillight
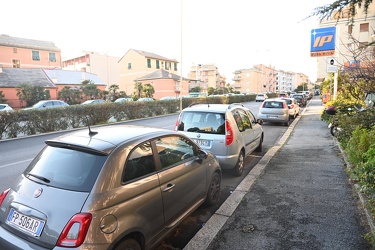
[(176, 126), (285, 105), (74, 233), (291, 106), (3, 195), (228, 133)]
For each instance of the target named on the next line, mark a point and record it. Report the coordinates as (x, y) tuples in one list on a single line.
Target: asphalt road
[(16, 154)]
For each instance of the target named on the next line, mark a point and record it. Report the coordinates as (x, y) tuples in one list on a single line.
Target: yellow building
[(137, 63), (209, 74)]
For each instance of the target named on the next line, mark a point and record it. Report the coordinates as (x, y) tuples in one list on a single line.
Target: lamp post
[(181, 61)]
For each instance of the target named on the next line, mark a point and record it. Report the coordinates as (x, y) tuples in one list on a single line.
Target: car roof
[(103, 140), (212, 107)]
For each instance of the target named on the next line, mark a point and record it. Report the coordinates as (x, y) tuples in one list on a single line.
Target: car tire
[(213, 194), (128, 244), (287, 123), (238, 169)]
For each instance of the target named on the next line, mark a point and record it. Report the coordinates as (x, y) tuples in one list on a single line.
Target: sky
[(232, 34)]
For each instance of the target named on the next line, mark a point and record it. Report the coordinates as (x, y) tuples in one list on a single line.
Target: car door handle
[(168, 188)]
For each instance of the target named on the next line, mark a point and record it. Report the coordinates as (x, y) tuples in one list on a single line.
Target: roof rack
[(235, 104)]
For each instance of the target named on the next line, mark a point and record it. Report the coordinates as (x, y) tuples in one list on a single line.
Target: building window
[(148, 63), (52, 57), (175, 66), (167, 65), (129, 65), (16, 63), (15, 50), (157, 64), (363, 27), (35, 55)]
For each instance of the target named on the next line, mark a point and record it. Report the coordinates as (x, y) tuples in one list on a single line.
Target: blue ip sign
[(323, 42)]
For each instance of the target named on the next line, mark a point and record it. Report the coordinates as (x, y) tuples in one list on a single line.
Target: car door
[(182, 177), (256, 129)]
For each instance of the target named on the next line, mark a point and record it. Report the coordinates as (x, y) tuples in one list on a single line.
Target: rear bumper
[(269, 118), (10, 241)]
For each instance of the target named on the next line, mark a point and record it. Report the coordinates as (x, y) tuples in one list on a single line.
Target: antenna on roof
[(90, 131)]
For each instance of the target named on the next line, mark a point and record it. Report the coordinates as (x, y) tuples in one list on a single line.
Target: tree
[(32, 94), (148, 90), (113, 91), (70, 95), (210, 90), (2, 98), (90, 90), (195, 89), (138, 89), (326, 11)]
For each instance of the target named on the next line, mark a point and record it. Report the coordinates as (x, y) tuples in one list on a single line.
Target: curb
[(208, 232)]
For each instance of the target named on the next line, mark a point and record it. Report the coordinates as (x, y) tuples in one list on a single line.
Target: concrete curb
[(207, 233)]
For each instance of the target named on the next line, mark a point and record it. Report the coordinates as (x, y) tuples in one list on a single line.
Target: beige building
[(104, 66), (348, 38), (209, 74), (259, 79), (137, 63)]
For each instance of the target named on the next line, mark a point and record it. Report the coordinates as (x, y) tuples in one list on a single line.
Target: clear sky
[(232, 34)]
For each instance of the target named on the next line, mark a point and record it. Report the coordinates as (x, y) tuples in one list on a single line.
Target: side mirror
[(202, 155), (260, 121)]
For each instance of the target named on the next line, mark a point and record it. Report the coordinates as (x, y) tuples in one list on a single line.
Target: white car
[(5, 107), (261, 97), (293, 106)]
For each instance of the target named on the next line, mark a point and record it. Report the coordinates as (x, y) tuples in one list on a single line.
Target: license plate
[(204, 143), (25, 223)]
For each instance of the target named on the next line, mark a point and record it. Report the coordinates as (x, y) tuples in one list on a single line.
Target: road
[(16, 154)]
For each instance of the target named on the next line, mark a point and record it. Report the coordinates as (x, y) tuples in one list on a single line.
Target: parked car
[(274, 110), (301, 100), (167, 98), (124, 99), (48, 104), (96, 101), (231, 132), (5, 107), (293, 107), (145, 99), (118, 187), (283, 95), (261, 97)]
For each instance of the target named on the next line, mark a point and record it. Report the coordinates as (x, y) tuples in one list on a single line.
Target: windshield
[(202, 122), (65, 168)]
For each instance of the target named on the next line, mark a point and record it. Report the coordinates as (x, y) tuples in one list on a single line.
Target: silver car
[(229, 131), (118, 187), (274, 110), (48, 104)]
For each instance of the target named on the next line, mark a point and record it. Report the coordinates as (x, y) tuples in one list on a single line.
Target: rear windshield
[(202, 122), (273, 104), (65, 168)]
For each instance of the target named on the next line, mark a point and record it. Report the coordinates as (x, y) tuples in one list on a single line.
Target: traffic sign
[(323, 42), (331, 65)]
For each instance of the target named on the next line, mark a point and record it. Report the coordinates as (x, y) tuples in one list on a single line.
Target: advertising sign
[(323, 42)]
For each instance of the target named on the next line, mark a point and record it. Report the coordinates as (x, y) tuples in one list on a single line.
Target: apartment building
[(138, 63), (285, 81), (18, 52), (104, 66), (248, 80), (209, 74), (351, 38)]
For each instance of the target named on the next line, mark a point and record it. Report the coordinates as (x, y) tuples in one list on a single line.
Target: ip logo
[(323, 41)]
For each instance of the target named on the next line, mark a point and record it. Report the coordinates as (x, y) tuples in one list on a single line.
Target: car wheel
[(238, 169), (213, 193), (128, 244), (287, 123), (259, 148)]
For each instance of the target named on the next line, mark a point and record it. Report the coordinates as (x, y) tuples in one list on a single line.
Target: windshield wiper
[(39, 177)]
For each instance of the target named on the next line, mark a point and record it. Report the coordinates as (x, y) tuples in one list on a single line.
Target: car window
[(251, 116), (66, 168), (2, 107), (202, 122), (47, 104), (173, 150), (273, 104), (139, 163), (242, 120)]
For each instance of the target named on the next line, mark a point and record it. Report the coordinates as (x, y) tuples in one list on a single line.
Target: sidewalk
[(297, 197)]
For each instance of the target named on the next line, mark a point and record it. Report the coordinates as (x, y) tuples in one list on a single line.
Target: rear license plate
[(25, 223), (204, 143)]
